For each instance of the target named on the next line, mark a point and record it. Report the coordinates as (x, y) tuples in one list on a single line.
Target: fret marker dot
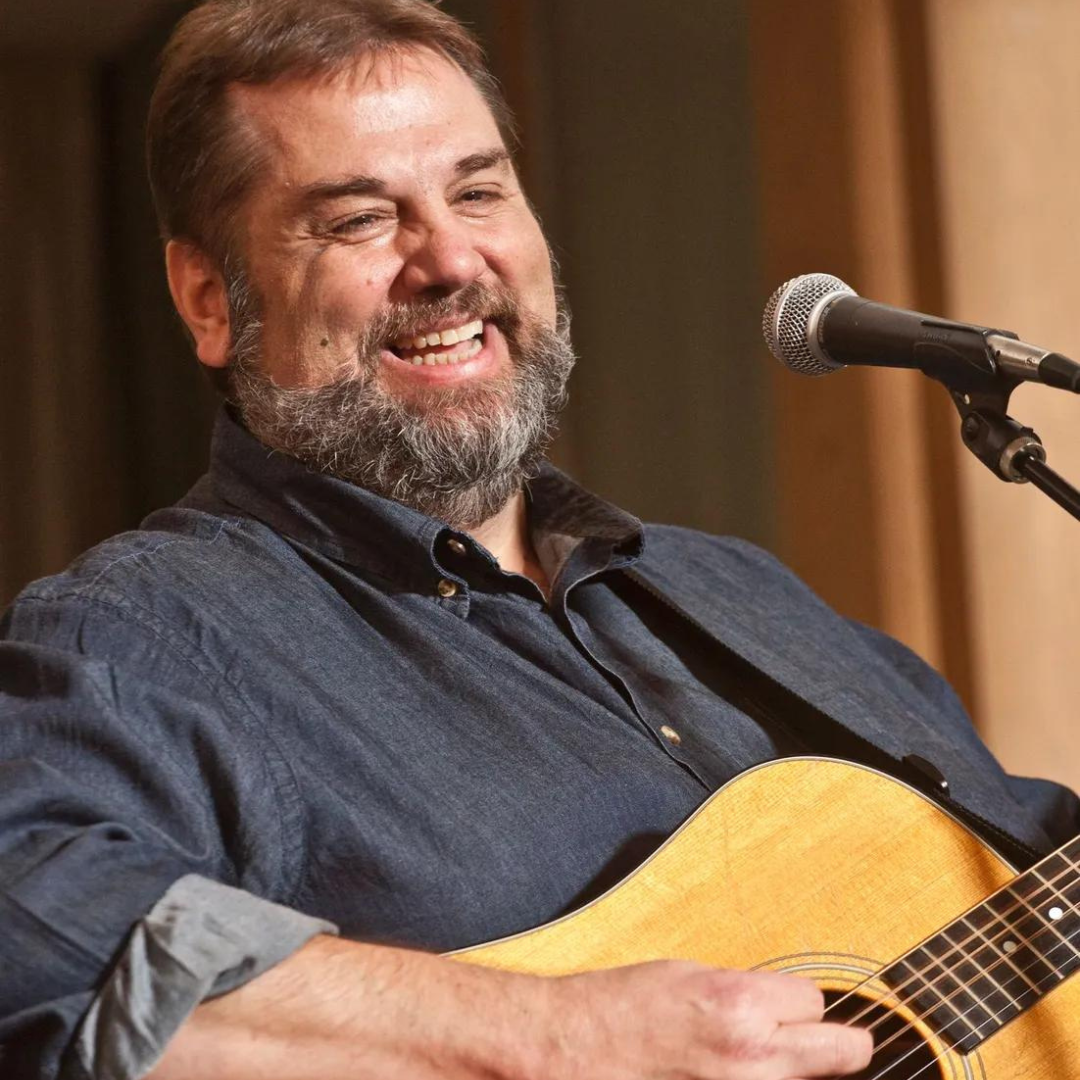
[(1056, 913), (1009, 946)]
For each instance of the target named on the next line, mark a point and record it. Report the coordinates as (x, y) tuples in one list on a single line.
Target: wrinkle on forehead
[(379, 93)]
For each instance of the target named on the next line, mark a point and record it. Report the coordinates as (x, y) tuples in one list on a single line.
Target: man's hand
[(339, 1009), (678, 1019)]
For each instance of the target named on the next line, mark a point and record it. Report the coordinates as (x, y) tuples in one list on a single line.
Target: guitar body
[(820, 868)]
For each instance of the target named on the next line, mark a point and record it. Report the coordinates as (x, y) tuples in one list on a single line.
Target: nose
[(440, 257)]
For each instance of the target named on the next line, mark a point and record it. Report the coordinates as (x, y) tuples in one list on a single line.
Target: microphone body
[(816, 324)]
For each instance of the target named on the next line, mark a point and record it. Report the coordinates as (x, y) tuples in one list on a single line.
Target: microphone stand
[(1050, 483), (1012, 452)]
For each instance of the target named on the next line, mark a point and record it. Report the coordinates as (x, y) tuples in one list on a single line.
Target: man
[(381, 674)]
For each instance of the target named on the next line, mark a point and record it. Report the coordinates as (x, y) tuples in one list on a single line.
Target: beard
[(458, 453)]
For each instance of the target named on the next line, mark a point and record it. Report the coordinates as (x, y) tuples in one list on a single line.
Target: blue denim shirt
[(294, 689)]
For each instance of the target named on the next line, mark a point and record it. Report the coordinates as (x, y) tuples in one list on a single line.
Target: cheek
[(528, 269), (546, 304), (344, 294)]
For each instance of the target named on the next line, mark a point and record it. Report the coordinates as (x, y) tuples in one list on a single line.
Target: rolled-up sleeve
[(201, 939), (125, 780)]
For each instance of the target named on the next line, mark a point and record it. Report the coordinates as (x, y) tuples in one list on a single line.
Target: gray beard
[(458, 454)]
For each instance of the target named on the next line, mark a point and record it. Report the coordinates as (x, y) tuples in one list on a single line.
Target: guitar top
[(836, 872)]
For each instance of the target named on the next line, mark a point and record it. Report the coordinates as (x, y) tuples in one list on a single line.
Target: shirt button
[(671, 735), (447, 588), (456, 546)]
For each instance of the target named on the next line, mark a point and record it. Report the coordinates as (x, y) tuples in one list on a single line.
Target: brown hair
[(201, 160)]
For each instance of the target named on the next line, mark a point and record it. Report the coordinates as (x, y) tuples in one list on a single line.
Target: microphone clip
[(1012, 452)]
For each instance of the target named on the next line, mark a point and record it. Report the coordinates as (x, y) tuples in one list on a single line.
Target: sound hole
[(900, 1052)]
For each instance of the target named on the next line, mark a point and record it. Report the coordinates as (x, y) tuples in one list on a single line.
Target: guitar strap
[(774, 705)]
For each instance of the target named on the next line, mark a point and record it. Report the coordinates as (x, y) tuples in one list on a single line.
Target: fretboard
[(999, 958)]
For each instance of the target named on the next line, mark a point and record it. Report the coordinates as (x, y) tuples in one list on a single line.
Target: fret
[(1010, 968), (1057, 876), (1070, 854), (1057, 898), (944, 1003), (999, 958), (1030, 930), (981, 971), (1049, 916)]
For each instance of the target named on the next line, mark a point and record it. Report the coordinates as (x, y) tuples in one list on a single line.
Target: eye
[(479, 196), (356, 223)]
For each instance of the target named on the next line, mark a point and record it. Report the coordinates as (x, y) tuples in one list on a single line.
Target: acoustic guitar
[(909, 923)]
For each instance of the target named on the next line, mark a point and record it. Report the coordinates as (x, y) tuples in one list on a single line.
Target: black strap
[(769, 702)]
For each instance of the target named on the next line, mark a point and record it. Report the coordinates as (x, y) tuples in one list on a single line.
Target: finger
[(785, 999), (823, 1049)]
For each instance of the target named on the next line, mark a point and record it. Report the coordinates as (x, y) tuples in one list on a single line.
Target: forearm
[(337, 1009), (345, 1009)]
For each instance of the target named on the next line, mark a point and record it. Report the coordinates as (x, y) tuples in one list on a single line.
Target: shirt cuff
[(201, 939)]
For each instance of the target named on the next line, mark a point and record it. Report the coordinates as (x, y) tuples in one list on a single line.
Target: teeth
[(446, 337), (468, 353)]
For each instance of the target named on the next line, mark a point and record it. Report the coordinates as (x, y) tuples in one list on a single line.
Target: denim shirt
[(288, 705)]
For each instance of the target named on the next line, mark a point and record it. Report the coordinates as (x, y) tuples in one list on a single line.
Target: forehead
[(385, 112)]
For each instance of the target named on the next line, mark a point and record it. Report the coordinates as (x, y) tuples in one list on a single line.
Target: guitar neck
[(1000, 957)]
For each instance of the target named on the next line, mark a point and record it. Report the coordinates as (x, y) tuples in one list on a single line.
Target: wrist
[(512, 1028), (540, 1029)]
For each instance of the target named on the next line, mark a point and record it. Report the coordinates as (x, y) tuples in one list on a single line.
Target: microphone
[(815, 324)]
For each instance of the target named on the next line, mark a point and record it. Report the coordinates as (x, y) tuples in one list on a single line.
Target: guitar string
[(999, 916), (975, 1028), (959, 946), (907, 1026), (962, 986), (912, 1076)]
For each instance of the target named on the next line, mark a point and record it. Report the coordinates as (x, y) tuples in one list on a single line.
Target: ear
[(198, 291)]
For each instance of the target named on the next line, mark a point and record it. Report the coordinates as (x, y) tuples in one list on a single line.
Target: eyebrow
[(486, 159), (320, 191)]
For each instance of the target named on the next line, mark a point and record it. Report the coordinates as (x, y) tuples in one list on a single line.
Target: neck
[(999, 958), (506, 536)]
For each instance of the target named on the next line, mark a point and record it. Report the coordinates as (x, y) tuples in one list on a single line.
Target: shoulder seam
[(148, 551)]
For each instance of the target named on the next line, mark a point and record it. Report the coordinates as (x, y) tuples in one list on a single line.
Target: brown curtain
[(103, 413), (62, 483)]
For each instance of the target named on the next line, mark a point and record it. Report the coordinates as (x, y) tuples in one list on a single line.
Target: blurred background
[(686, 159)]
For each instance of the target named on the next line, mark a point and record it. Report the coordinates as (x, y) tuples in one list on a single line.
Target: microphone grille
[(786, 323)]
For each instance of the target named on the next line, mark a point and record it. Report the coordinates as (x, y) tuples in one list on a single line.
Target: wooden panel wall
[(862, 502), (924, 151), (1006, 85)]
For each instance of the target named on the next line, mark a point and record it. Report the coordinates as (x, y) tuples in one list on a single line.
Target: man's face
[(400, 328), (388, 188)]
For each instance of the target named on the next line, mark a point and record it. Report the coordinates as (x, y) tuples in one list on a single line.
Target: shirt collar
[(353, 525)]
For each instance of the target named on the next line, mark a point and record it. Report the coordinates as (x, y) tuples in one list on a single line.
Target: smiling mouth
[(451, 346)]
